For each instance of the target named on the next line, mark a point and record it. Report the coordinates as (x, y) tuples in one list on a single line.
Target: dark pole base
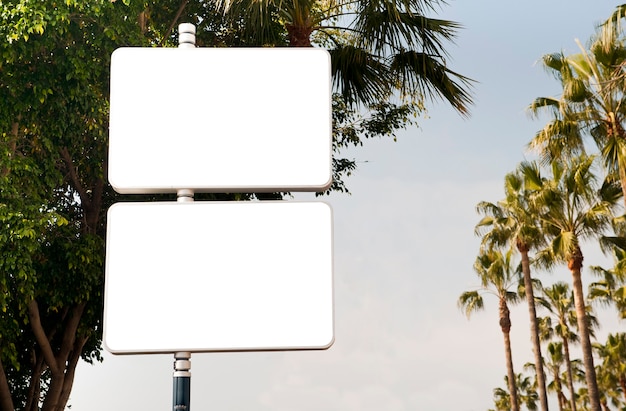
[(182, 390)]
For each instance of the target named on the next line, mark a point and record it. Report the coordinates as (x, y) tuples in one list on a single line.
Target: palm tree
[(560, 302), (554, 362), (378, 48), (571, 208), (496, 277), (609, 387), (511, 222), (527, 394), (591, 104), (611, 289), (613, 355)]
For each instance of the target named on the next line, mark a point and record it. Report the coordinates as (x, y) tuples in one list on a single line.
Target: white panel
[(220, 119), (218, 276)]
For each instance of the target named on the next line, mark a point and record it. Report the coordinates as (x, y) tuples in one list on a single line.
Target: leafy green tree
[(497, 276), (572, 207), (511, 222), (53, 128), (593, 86)]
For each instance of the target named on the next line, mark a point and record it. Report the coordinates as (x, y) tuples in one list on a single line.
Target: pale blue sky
[(404, 249)]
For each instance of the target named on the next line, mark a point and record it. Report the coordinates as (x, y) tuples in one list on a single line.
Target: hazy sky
[(404, 249)]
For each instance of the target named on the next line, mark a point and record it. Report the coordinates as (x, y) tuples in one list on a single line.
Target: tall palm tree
[(511, 222), (496, 277), (554, 361), (378, 47), (591, 104), (560, 302), (573, 207)]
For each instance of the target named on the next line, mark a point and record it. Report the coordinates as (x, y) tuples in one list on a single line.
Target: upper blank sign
[(220, 120)]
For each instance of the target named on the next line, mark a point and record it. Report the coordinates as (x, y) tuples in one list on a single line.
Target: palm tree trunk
[(505, 325), (534, 327), (575, 265), (299, 36), (570, 374), (622, 169), (562, 401)]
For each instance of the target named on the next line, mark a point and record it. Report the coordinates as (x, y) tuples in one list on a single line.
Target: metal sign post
[(182, 360), (182, 381)]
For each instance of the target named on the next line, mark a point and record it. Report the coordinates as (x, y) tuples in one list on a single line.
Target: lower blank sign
[(218, 276)]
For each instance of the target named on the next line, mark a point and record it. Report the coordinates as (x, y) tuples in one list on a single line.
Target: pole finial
[(186, 35)]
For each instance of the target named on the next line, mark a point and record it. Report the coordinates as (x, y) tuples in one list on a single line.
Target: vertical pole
[(182, 360), (182, 381), (186, 36)]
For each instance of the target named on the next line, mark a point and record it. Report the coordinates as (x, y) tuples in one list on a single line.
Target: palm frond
[(384, 26), (359, 76), (544, 103), (470, 302), (425, 74), (554, 63)]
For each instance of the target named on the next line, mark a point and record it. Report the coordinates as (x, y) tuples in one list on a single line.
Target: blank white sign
[(218, 276), (220, 120)]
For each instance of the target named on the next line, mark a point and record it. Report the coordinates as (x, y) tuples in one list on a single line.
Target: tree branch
[(71, 370), (92, 213), (34, 391), (183, 4), (6, 402), (40, 336), (78, 186), (69, 334), (53, 401)]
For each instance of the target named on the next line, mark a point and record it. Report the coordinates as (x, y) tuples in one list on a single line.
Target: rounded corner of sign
[(324, 185), (114, 207), (119, 188), (326, 53), (328, 182), (327, 206), (118, 51), (110, 349), (329, 343)]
